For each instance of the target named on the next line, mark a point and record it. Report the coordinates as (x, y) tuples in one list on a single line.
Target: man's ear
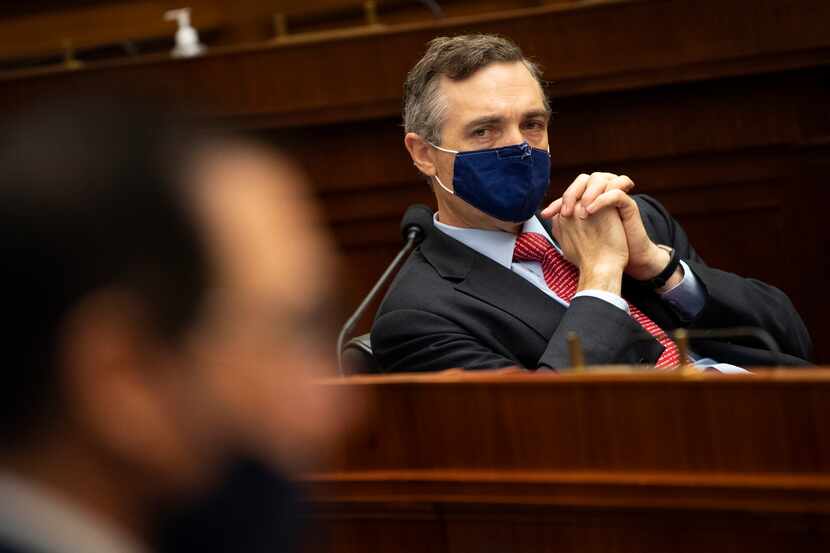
[(421, 152), (116, 384)]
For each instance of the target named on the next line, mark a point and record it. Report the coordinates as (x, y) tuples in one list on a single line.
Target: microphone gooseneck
[(417, 220)]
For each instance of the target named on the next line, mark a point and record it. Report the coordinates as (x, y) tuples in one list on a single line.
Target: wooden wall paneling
[(385, 528), (589, 49), (665, 121), (364, 181), (544, 530), (349, 157), (98, 24), (588, 463), (747, 426), (396, 12), (382, 203), (618, 490), (362, 267), (34, 30), (499, 528)]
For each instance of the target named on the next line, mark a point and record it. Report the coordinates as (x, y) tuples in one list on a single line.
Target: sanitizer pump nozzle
[(187, 39)]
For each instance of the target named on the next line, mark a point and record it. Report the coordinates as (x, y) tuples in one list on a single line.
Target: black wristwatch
[(660, 280)]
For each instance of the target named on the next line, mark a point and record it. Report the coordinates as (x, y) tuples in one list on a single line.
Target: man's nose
[(512, 136)]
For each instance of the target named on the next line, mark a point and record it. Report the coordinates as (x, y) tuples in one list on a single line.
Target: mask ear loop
[(442, 149), (437, 178), (441, 184)]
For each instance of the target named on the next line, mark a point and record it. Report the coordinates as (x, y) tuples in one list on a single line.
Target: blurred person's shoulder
[(33, 519)]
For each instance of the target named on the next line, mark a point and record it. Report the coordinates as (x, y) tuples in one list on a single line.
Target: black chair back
[(358, 357)]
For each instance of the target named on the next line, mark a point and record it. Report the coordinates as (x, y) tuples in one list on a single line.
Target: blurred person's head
[(467, 94), (163, 311)]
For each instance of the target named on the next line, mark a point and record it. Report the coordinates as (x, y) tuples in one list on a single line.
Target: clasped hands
[(599, 228)]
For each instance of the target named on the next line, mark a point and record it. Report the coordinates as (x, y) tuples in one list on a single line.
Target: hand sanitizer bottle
[(187, 39)]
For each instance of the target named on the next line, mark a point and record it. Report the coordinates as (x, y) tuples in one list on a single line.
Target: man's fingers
[(554, 225), (622, 182), (573, 193), (553, 209), (579, 211), (613, 198), (597, 184), (586, 189)]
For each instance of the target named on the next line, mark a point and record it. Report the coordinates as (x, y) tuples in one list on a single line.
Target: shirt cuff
[(610, 297), (706, 363), (687, 297)]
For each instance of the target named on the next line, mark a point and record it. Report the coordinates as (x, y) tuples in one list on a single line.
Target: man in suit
[(496, 284), (161, 335)]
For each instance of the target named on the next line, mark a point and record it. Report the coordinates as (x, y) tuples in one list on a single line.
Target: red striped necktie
[(562, 277)]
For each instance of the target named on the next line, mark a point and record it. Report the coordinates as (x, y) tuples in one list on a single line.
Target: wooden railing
[(461, 462), (39, 33)]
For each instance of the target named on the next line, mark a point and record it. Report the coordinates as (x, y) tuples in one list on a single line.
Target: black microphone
[(418, 220), (416, 223)]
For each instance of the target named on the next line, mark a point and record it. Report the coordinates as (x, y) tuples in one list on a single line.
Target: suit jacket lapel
[(494, 284), (484, 279)]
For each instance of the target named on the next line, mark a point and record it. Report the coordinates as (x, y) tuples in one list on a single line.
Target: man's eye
[(480, 133), (534, 125)]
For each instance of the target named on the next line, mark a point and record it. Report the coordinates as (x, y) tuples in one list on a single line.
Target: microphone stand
[(411, 239)]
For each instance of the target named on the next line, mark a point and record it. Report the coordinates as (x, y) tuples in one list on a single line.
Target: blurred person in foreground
[(163, 326), (499, 284)]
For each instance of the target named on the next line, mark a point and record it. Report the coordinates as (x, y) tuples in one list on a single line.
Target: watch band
[(660, 280)]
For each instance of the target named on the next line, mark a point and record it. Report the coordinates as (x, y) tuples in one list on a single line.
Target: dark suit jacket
[(452, 307), (8, 548)]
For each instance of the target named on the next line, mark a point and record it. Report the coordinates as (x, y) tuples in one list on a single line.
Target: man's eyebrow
[(498, 119), (536, 113), (486, 120)]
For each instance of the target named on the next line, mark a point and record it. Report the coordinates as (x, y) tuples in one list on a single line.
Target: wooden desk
[(467, 462)]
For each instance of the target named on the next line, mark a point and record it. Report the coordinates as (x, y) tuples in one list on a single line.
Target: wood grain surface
[(597, 462)]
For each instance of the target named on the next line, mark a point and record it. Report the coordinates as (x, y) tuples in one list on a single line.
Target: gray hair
[(458, 57)]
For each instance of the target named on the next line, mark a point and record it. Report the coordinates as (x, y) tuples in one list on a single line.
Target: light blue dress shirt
[(687, 297), (35, 518)]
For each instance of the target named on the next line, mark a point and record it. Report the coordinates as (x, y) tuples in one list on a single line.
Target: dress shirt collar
[(32, 517), (497, 245)]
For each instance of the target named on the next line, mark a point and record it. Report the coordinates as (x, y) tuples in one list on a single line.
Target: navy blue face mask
[(506, 183)]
